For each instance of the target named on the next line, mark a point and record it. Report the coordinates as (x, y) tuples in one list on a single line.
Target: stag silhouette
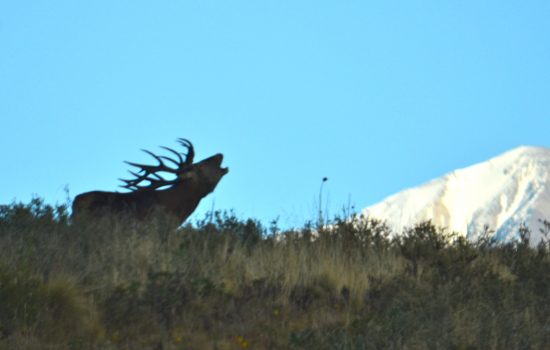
[(151, 193)]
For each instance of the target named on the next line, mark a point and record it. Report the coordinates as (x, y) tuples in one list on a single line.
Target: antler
[(149, 173)]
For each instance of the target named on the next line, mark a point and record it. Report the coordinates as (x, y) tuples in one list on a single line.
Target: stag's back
[(101, 203)]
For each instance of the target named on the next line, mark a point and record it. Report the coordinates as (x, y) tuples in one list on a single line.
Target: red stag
[(150, 192)]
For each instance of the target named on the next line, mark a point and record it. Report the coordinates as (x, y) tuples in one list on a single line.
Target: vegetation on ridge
[(227, 283)]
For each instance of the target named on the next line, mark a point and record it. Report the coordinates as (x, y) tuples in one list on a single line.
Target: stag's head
[(205, 174), (202, 176)]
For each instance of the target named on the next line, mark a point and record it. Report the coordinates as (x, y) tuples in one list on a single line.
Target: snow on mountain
[(501, 193)]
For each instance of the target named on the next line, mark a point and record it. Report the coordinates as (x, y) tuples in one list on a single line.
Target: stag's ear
[(188, 175)]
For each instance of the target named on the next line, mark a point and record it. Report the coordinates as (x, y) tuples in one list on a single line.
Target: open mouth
[(219, 159), (214, 163), (224, 169)]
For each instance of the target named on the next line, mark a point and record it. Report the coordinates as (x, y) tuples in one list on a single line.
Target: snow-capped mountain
[(501, 193)]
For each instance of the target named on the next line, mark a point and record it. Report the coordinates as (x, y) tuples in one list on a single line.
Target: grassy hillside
[(227, 283)]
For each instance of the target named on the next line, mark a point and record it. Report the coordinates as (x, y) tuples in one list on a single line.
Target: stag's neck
[(181, 200)]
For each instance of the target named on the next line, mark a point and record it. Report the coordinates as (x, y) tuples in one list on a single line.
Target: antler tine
[(129, 187), (149, 173), (176, 153), (154, 183), (171, 160), (153, 168), (161, 166), (190, 149), (140, 178), (129, 184), (133, 182), (143, 167)]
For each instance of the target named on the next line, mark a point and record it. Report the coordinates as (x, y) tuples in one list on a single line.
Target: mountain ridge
[(501, 193)]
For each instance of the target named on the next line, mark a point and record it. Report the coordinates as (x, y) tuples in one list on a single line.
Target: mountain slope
[(501, 193)]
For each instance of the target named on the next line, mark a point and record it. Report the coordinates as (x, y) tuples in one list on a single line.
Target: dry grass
[(225, 284)]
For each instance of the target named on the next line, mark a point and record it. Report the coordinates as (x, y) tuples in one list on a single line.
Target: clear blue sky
[(376, 95)]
